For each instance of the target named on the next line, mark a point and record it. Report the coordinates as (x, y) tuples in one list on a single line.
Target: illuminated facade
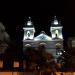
[(54, 43), (29, 30), (56, 29)]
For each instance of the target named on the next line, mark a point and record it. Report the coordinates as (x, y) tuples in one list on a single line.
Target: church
[(53, 43)]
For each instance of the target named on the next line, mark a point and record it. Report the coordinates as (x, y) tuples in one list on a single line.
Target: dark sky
[(13, 15)]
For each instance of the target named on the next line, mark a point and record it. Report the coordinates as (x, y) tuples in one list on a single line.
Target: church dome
[(29, 23), (55, 22)]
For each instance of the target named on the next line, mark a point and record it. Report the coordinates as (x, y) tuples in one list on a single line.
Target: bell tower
[(56, 29), (29, 30)]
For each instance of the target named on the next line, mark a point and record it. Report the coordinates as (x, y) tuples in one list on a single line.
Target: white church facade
[(54, 43)]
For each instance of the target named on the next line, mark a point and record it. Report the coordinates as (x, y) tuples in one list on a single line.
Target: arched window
[(56, 33), (28, 45), (28, 33)]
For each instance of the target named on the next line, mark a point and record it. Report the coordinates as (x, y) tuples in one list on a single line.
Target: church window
[(28, 33), (27, 45), (56, 32)]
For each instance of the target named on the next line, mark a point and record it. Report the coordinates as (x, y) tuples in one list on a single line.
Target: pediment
[(43, 37)]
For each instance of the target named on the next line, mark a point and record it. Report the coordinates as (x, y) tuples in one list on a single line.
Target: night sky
[(14, 14)]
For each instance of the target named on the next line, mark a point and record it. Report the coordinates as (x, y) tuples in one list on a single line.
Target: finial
[(29, 18), (55, 20), (55, 17), (29, 23)]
